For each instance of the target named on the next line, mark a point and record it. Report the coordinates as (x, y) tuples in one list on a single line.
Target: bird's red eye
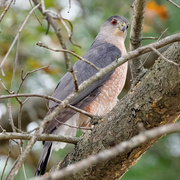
[(127, 26), (114, 21)]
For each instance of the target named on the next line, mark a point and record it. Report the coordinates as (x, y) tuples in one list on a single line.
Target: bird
[(97, 99)]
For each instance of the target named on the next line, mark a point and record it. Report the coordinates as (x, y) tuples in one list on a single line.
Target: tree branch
[(108, 69), (15, 39), (5, 10), (172, 2), (54, 26), (46, 97), (50, 20), (157, 52), (149, 38), (40, 44), (84, 85), (153, 102), (43, 137), (135, 38), (108, 154)]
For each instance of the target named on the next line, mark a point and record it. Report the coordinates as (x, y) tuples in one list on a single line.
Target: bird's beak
[(123, 27)]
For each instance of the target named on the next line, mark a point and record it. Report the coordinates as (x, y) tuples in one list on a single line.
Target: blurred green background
[(162, 161)]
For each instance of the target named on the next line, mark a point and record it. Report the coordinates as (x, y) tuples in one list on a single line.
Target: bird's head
[(115, 26)]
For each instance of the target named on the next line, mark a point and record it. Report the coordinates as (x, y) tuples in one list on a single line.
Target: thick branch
[(108, 154), (153, 102)]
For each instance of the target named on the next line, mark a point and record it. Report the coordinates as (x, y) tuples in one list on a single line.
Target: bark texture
[(154, 101), (135, 37)]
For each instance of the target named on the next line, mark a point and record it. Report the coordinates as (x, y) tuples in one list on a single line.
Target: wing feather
[(101, 55)]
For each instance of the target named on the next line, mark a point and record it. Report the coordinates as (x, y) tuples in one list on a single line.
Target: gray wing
[(101, 55)]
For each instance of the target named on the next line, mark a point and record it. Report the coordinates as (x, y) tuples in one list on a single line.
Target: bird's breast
[(107, 98)]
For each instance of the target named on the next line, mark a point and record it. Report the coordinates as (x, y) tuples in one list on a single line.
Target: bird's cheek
[(118, 32)]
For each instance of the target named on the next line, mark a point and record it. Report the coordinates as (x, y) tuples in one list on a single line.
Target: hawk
[(97, 99)]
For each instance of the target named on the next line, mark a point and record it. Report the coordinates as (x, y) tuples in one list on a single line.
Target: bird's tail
[(41, 167)]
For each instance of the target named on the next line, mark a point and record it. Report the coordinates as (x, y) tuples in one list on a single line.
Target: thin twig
[(11, 121), (57, 31), (43, 137), (9, 153), (20, 115), (24, 171), (70, 32), (5, 10), (35, 13), (108, 154), (40, 44), (22, 157), (157, 40), (18, 164), (76, 127), (67, 60), (70, 37), (11, 88), (69, 6), (15, 64), (170, 61), (23, 166), (15, 39), (54, 26), (43, 6), (162, 34), (174, 3), (74, 78), (46, 97), (2, 129), (3, 85), (149, 38), (58, 17), (28, 73)]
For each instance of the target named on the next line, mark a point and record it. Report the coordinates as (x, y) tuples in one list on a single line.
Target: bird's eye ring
[(114, 21)]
